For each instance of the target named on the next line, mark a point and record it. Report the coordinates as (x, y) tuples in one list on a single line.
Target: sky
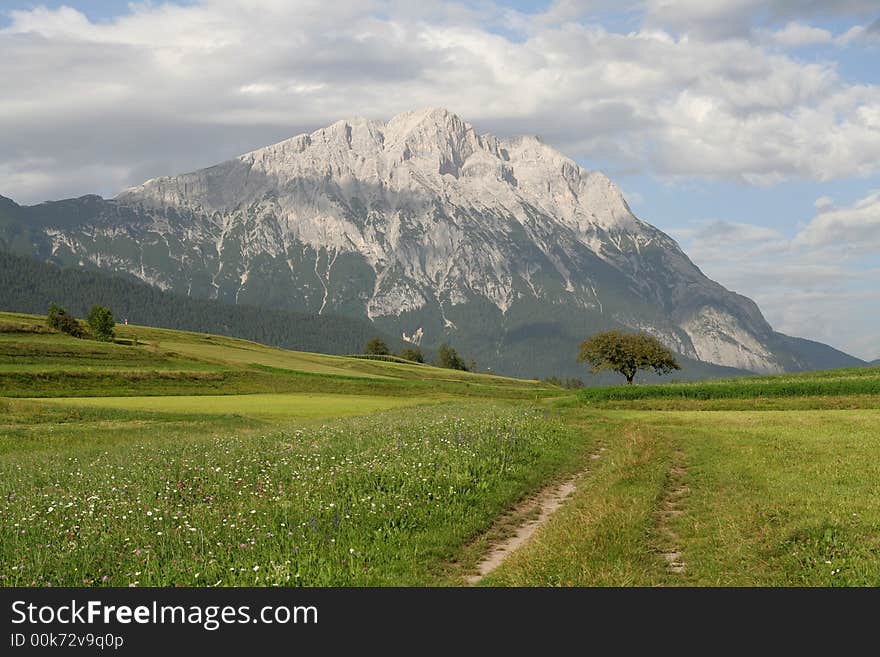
[(748, 130)]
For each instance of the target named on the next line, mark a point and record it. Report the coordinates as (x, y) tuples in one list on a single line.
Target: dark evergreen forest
[(29, 286)]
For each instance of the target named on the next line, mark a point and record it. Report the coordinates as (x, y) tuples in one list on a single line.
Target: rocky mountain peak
[(422, 151), (433, 137), (423, 225)]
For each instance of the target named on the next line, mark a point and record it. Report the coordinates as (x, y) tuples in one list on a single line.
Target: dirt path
[(537, 511), (670, 507)]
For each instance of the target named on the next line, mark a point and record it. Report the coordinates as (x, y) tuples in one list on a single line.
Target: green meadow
[(173, 458)]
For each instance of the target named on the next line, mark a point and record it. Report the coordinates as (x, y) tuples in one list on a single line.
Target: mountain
[(504, 247), (29, 286)]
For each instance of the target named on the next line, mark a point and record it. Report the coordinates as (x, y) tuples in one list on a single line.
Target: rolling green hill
[(36, 361)]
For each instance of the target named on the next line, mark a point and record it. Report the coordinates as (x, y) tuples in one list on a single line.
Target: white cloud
[(797, 35), (855, 228), (633, 197), (823, 203), (861, 34), (715, 230), (561, 11), (718, 19), (146, 88)]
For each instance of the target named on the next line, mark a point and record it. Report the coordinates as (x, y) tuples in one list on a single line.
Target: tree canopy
[(101, 323), (626, 353), (449, 358), (377, 347), (413, 353)]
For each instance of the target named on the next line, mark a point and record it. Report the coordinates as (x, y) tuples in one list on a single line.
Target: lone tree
[(101, 323), (627, 353), (447, 357), (414, 354), (377, 347)]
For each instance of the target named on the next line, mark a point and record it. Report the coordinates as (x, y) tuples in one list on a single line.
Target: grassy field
[(179, 458), (152, 361), (743, 498)]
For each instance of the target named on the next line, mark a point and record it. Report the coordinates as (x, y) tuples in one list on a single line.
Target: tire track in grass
[(527, 517), (670, 507)]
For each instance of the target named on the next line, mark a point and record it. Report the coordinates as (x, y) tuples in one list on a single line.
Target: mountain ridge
[(502, 245)]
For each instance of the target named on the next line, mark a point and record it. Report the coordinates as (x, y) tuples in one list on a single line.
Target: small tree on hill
[(61, 320), (447, 357), (101, 323), (414, 354), (627, 353), (377, 347)]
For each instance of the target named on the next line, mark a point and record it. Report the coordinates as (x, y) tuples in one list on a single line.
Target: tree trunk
[(629, 379)]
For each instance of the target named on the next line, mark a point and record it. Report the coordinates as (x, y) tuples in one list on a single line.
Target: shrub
[(61, 320)]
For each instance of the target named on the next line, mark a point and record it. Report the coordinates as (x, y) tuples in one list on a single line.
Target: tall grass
[(867, 383)]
